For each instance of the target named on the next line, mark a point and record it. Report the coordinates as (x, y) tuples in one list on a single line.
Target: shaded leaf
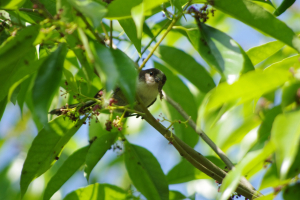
[(68, 168), (3, 103), (187, 66), (172, 86), (285, 4), (285, 134), (45, 148), (262, 52), (116, 69), (97, 151), (71, 82), (47, 82), (264, 21), (289, 93), (145, 172), (292, 192), (97, 192)]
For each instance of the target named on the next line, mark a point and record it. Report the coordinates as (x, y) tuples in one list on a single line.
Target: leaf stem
[(97, 36)]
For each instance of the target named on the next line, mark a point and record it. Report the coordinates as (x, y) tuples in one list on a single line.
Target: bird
[(149, 85)]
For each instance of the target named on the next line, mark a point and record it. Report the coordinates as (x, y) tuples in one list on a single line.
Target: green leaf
[(129, 27), (69, 167), (292, 192), (97, 192), (285, 135), (262, 52), (120, 9), (177, 4), (244, 10), (71, 81), (45, 148), (285, 4), (175, 195), (187, 66), (47, 82), (115, 69), (289, 93), (97, 151), (145, 172), (295, 168), (185, 171), (219, 50), (3, 103), (8, 4), (264, 130), (253, 84), (91, 9), (172, 86), (250, 161)]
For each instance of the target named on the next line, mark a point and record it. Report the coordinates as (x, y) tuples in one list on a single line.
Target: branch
[(208, 141), (194, 157)]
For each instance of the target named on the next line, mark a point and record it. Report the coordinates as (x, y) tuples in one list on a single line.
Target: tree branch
[(194, 157)]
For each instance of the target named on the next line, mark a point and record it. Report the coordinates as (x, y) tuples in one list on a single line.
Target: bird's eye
[(151, 73)]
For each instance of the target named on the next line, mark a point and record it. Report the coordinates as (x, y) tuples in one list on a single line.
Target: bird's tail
[(59, 111)]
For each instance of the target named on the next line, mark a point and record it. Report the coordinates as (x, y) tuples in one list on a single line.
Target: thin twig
[(111, 35), (29, 10), (147, 46)]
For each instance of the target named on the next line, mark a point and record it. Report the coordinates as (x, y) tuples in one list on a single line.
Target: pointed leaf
[(285, 135), (244, 10), (97, 151), (91, 9), (253, 84), (97, 192), (129, 27), (285, 4), (45, 149), (115, 69), (219, 50), (187, 66), (47, 82), (292, 192), (260, 53), (68, 168), (145, 172)]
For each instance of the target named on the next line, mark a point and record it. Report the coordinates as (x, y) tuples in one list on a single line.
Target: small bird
[(149, 85)]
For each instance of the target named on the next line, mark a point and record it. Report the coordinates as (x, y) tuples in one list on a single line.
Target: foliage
[(246, 103)]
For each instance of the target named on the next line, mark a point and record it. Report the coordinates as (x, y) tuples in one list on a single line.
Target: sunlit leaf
[(8, 4), (260, 53), (145, 172), (285, 135), (264, 21), (96, 192), (69, 167), (175, 195), (219, 50), (91, 9)]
